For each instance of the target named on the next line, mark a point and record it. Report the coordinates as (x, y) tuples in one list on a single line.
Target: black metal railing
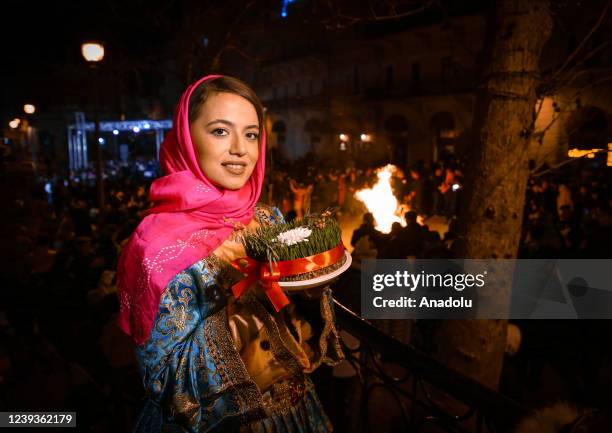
[(390, 370)]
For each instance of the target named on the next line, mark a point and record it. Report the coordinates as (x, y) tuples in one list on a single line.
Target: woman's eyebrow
[(228, 123)]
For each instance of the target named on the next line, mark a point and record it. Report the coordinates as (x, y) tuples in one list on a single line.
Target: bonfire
[(381, 201)]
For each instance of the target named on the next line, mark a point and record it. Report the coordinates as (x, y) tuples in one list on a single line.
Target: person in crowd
[(415, 188), (411, 237), (546, 196), (301, 194), (564, 198), (437, 187), (330, 189), (448, 193), (281, 192), (341, 190), (400, 186), (393, 246), (307, 202), (367, 229)]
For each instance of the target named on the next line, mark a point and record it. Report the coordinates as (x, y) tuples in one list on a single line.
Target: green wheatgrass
[(262, 246)]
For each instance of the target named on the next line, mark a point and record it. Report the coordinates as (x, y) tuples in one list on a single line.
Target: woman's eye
[(252, 136), (219, 132)]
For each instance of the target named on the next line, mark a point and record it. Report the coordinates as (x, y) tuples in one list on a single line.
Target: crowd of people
[(58, 317), (567, 217), (304, 186), (58, 327), (423, 191)]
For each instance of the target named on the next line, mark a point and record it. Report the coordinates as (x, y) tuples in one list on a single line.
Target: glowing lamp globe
[(29, 108), (92, 51)]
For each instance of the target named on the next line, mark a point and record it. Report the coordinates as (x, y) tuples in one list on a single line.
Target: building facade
[(373, 94), (403, 97)]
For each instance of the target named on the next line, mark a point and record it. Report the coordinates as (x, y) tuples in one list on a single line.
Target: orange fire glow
[(381, 201)]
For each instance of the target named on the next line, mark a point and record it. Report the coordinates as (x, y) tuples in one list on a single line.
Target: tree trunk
[(497, 175)]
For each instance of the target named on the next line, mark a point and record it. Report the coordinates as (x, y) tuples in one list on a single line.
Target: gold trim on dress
[(232, 369)]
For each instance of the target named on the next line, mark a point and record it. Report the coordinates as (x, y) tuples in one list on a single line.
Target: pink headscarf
[(189, 219)]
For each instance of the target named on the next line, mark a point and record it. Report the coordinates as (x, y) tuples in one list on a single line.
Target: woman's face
[(226, 137)]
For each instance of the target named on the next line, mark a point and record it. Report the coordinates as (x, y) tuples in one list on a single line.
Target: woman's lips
[(235, 169)]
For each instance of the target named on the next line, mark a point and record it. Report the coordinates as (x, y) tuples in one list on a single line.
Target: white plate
[(318, 281)]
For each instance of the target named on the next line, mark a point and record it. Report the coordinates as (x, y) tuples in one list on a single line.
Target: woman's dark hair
[(224, 85)]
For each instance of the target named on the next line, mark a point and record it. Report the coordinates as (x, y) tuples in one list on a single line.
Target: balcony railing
[(413, 381)]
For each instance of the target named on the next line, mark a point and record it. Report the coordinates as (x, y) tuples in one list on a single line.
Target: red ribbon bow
[(267, 273)]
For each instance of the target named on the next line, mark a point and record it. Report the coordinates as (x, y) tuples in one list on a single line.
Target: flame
[(380, 200)]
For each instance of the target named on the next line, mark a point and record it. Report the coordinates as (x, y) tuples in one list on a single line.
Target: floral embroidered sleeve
[(181, 380)]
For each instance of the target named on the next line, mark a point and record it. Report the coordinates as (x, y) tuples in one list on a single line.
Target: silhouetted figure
[(393, 247), (367, 229), (412, 237)]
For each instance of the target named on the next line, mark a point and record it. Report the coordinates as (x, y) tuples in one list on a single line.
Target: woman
[(210, 362)]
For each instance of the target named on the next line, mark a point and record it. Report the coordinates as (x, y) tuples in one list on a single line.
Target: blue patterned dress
[(202, 375)]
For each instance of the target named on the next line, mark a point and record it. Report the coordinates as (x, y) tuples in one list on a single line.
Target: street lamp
[(93, 52), (343, 140), (29, 110), (14, 124)]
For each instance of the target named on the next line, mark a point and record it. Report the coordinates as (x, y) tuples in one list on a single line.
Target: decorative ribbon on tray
[(269, 273)]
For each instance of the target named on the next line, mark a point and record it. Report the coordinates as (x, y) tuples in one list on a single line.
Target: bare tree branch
[(229, 33), (567, 78), (240, 50), (584, 41), (392, 16)]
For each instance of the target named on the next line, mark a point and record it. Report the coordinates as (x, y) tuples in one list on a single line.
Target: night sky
[(41, 45), (41, 42)]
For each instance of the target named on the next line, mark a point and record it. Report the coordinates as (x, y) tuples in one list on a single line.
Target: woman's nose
[(238, 146)]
